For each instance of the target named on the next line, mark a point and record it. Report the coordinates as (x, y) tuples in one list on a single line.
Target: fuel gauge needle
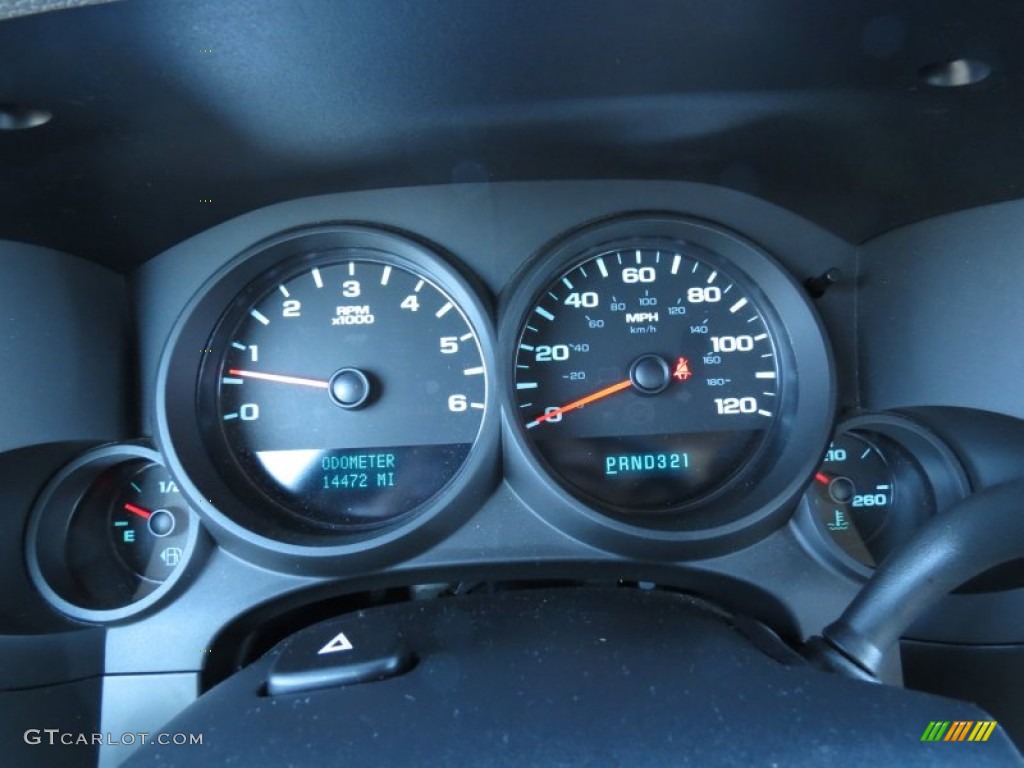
[(144, 514), (280, 379)]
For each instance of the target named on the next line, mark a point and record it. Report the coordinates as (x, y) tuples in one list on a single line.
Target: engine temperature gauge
[(852, 495)]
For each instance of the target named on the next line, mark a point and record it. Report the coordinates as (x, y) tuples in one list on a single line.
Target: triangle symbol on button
[(337, 643)]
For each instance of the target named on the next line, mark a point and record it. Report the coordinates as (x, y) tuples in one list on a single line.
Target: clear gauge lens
[(647, 376), (348, 392)]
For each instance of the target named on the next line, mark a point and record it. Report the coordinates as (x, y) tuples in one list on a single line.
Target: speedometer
[(647, 375), (652, 376)]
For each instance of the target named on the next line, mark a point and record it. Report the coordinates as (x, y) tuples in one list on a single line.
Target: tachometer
[(653, 377), (340, 393)]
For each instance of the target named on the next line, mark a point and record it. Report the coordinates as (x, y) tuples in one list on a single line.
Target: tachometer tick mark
[(260, 316), (419, 286), (236, 345), (316, 278), (443, 310), (466, 336), (284, 291), (385, 275)]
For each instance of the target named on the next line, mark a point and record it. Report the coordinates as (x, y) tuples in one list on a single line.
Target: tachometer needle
[(138, 511), (280, 379), (822, 478), (601, 393)]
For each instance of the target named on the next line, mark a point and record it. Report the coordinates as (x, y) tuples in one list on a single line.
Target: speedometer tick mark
[(712, 276), (728, 288), (544, 313), (602, 268), (738, 305), (526, 385), (527, 347), (694, 270), (761, 337), (754, 318), (763, 412), (767, 354), (531, 328), (552, 296), (565, 281), (866, 453), (676, 260), (639, 257), (618, 257)]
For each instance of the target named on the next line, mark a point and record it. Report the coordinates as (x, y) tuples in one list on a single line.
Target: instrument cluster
[(342, 397)]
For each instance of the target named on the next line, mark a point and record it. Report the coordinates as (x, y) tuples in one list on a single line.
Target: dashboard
[(328, 398)]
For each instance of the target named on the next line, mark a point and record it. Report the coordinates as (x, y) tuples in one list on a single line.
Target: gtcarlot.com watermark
[(54, 736)]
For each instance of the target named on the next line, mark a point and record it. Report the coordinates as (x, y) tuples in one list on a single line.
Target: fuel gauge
[(110, 534), (149, 522)]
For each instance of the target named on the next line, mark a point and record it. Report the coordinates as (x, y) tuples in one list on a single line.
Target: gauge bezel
[(933, 460), (753, 502), (264, 537), (48, 527)]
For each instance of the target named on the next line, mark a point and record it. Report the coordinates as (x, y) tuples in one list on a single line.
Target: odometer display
[(347, 391), (646, 375)]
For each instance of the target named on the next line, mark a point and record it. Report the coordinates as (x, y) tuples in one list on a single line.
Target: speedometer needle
[(600, 394), (280, 379)]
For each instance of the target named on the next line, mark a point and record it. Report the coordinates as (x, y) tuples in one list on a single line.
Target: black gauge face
[(646, 376), (148, 522), (348, 391), (852, 495)]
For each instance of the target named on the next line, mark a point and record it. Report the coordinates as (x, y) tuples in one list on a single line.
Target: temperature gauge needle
[(144, 514), (595, 396), (280, 379)]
